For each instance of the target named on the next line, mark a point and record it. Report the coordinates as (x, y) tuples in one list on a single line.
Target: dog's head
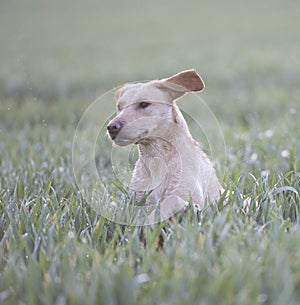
[(146, 110)]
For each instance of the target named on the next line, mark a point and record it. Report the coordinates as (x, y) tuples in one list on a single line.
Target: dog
[(171, 168)]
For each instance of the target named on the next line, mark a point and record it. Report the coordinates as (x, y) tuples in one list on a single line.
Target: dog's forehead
[(133, 93)]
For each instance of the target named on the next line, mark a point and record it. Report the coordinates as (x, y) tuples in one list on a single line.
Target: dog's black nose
[(114, 128)]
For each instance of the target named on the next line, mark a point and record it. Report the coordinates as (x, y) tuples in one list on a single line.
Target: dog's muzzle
[(114, 128)]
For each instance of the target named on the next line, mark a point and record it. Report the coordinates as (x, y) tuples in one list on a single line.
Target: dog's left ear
[(182, 82)]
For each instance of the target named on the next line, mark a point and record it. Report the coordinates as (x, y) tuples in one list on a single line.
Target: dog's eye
[(144, 105)]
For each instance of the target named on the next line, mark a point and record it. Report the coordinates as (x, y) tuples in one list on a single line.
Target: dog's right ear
[(181, 83)]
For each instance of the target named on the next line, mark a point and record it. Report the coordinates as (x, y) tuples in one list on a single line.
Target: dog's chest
[(157, 175)]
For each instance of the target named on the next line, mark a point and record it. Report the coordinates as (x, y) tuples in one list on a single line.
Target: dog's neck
[(156, 148)]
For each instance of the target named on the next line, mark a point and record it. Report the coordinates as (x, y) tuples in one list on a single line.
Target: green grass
[(56, 58)]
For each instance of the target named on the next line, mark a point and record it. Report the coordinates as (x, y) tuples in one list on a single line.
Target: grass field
[(56, 58)]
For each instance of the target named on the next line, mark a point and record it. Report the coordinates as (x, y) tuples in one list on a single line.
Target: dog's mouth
[(121, 140)]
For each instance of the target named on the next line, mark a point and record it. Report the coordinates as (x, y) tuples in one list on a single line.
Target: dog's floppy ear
[(182, 82)]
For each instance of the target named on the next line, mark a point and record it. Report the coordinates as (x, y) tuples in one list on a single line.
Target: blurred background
[(58, 56), (56, 49)]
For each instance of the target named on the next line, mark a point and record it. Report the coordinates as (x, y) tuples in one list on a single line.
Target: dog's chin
[(123, 142), (126, 141)]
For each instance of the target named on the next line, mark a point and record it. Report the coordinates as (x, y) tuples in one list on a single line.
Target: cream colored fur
[(171, 164)]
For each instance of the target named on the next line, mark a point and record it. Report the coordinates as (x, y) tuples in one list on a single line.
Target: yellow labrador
[(171, 165)]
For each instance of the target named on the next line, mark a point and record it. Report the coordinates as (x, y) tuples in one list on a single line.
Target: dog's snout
[(114, 128)]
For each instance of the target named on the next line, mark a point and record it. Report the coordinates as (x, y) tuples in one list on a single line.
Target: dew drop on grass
[(71, 235), (253, 157), (262, 298), (269, 133), (265, 174), (142, 278), (285, 153)]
